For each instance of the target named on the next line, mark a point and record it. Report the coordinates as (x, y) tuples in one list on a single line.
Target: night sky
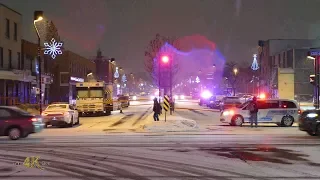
[(123, 28)]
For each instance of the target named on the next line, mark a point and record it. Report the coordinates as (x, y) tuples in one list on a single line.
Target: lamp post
[(235, 72), (213, 73), (112, 61), (316, 80), (38, 16), (131, 83)]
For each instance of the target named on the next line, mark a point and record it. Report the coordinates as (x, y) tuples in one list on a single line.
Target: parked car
[(17, 123), (61, 115), (309, 122), (246, 97), (205, 98), (229, 102), (124, 101), (214, 103)]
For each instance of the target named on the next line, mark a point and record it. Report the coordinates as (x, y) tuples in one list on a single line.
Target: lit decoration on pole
[(124, 78), (255, 65), (116, 74), (53, 48), (197, 79), (37, 66)]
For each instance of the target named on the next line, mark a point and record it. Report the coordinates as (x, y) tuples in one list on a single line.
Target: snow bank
[(172, 126)]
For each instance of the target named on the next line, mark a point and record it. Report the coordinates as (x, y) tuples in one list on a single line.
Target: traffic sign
[(166, 103)]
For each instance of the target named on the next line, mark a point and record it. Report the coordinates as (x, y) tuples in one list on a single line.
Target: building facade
[(29, 62), (68, 69), (105, 68), (282, 55), (15, 80)]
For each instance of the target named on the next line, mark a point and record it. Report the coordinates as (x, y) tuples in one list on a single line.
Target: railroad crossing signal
[(166, 103)]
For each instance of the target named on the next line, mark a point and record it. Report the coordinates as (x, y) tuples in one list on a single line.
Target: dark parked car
[(214, 104), (309, 121), (16, 123), (124, 101), (229, 102)]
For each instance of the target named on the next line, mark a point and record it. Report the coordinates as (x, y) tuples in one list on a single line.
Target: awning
[(16, 75)]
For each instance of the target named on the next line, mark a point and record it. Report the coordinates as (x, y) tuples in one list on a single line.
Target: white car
[(246, 98), (60, 115), (282, 112)]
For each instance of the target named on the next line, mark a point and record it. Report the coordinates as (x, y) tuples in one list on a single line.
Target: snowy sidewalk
[(174, 123)]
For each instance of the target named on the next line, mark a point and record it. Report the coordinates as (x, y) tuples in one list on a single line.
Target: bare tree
[(152, 54), (228, 69)]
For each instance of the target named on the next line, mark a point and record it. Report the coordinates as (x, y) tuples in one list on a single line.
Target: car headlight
[(134, 98), (182, 97), (228, 113), (312, 115)]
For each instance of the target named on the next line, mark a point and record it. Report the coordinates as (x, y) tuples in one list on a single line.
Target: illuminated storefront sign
[(76, 79)]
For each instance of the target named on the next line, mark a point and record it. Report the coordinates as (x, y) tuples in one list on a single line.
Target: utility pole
[(38, 16), (316, 72), (261, 46), (171, 79), (159, 77)]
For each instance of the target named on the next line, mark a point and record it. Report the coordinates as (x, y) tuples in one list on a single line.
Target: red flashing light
[(262, 96), (165, 59)]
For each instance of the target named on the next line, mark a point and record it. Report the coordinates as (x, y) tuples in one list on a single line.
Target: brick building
[(287, 54), (15, 80), (104, 67), (68, 69), (29, 62)]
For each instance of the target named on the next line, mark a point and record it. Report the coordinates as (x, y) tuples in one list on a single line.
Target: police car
[(282, 112)]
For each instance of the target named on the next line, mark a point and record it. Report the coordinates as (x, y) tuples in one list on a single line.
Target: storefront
[(72, 88), (15, 87)]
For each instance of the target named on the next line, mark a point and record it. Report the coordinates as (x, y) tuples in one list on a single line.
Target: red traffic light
[(165, 59)]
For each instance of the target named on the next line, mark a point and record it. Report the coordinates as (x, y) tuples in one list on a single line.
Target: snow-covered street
[(191, 144)]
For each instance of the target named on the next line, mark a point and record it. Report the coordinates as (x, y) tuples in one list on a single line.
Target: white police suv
[(282, 112)]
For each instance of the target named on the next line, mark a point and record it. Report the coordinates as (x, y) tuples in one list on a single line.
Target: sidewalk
[(173, 123)]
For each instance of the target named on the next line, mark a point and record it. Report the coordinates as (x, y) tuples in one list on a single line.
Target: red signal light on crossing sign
[(165, 59)]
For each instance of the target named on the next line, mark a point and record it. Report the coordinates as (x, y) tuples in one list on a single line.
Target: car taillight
[(299, 111), (34, 119)]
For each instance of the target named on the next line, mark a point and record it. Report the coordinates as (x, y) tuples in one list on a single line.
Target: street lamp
[(235, 71), (38, 16), (213, 73)]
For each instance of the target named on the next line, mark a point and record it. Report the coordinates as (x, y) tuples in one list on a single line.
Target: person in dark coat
[(254, 112), (156, 109)]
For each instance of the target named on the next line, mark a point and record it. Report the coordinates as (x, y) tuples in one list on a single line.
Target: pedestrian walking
[(253, 108), (156, 109)]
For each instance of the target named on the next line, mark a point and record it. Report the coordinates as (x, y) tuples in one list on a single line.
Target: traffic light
[(312, 79), (165, 59)]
